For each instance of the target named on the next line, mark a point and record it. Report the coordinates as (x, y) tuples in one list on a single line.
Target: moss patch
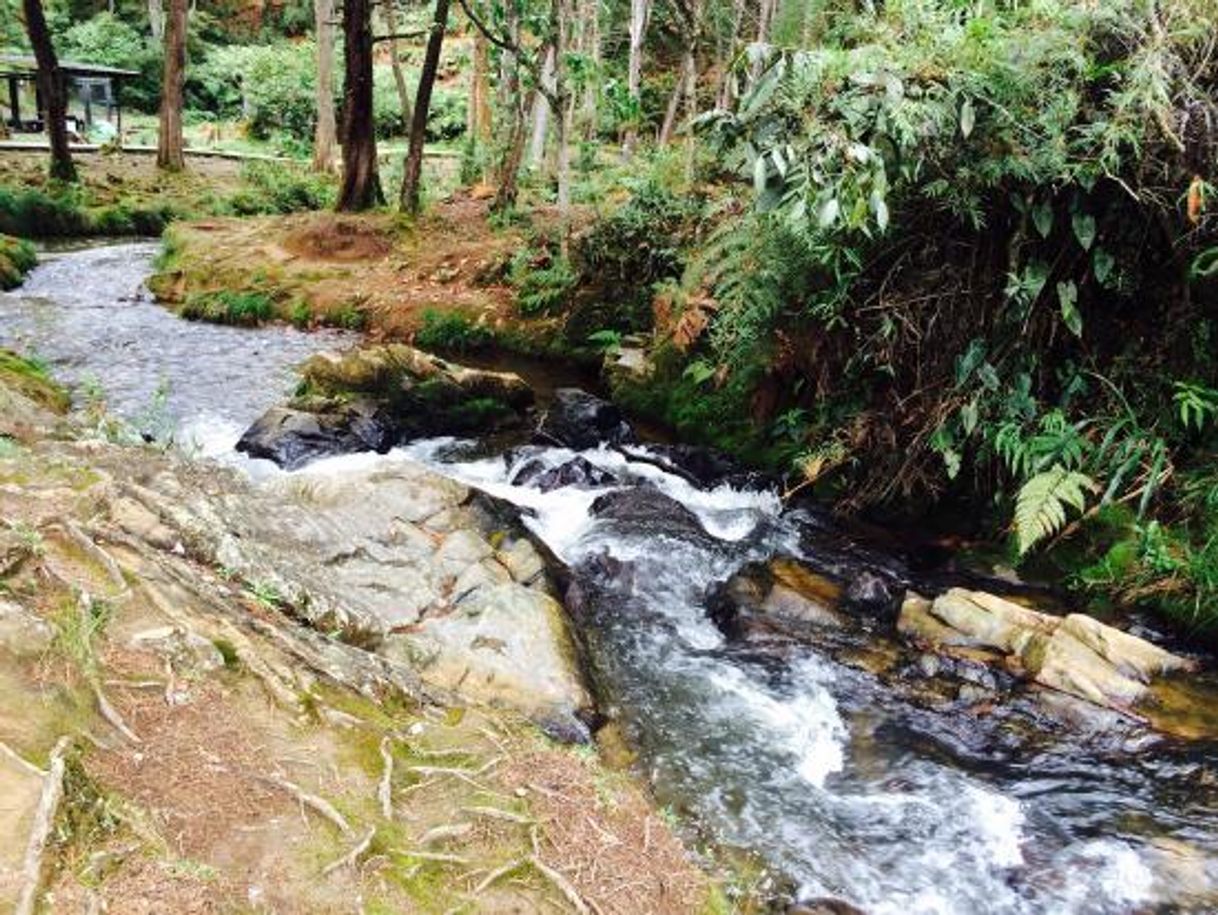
[(30, 379), (17, 258)]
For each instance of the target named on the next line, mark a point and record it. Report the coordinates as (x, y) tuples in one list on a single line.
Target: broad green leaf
[(1042, 217), (968, 117), (828, 213), (1084, 229), (759, 174), (968, 416), (1102, 263), (1067, 295)]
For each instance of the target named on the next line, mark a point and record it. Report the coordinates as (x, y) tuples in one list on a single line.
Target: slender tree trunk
[(541, 111), (422, 105), (669, 125), (724, 95), (640, 13), (589, 114), (479, 92), (395, 62), (169, 138), (52, 88), (156, 20), (516, 106), (325, 137), (361, 185)]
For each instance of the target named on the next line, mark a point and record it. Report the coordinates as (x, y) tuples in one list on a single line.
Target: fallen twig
[(433, 856), (499, 872), (384, 790), (40, 832), (497, 813), (317, 804), (444, 832), (562, 884), (110, 713), (349, 859)]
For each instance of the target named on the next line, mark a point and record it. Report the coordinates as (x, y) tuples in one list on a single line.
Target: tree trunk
[(590, 115), (156, 20), (516, 106), (669, 125), (413, 171), (640, 13), (325, 133), (395, 62), (169, 138), (541, 111), (724, 95), (564, 106), (51, 86), (361, 186), (479, 124)]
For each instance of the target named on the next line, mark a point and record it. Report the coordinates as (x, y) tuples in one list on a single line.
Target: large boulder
[(292, 438), (1075, 655), (580, 420), (780, 597), (372, 398), (646, 510), (578, 472)]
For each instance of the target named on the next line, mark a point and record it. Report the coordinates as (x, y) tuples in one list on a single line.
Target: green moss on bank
[(29, 378), (17, 258)]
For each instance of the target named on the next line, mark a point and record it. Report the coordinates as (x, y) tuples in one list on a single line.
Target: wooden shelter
[(93, 95)]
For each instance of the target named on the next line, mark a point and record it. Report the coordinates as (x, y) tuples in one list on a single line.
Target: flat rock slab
[(1076, 655)]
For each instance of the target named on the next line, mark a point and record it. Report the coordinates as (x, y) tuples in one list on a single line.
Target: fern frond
[(1040, 508)]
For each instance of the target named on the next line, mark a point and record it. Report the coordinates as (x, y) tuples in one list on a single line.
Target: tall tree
[(395, 62), (325, 138), (361, 185), (52, 88), (413, 172), (640, 15), (169, 154)]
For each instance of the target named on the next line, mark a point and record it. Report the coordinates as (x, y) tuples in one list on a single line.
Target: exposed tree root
[(351, 857), (562, 885), (384, 789), (40, 832), (110, 713), (317, 804)]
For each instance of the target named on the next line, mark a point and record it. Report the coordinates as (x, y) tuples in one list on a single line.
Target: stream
[(847, 790)]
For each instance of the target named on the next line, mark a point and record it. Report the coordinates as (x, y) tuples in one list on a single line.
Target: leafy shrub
[(544, 282), (451, 332), (274, 187), (272, 86), (33, 213), (228, 307)]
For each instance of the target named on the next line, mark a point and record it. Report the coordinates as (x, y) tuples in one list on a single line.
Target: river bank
[(201, 748)]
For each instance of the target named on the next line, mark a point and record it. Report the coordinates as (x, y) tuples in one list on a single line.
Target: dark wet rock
[(581, 420), (599, 580), (292, 438), (780, 597), (875, 593), (704, 468), (578, 472), (824, 906), (646, 510), (373, 398)]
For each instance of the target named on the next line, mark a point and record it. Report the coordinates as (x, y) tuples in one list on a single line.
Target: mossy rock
[(31, 380)]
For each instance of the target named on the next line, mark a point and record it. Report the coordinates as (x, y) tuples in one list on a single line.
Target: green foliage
[(227, 307), (110, 41), (543, 280), (17, 258), (272, 86), (452, 332), (1040, 510), (62, 211), (277, 188)]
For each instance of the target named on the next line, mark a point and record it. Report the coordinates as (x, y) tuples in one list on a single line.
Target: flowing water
[(843, 787)]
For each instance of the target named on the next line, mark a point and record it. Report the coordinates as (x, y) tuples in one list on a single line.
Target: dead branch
[(20, 760), (445, 832), (94, 549), (110, 713), (40, 832), (495, 813), (499, 872)]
